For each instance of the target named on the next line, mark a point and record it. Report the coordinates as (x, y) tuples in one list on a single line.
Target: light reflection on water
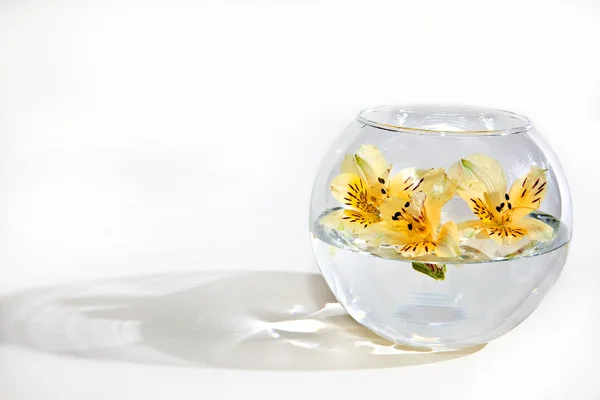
[(245, 320)]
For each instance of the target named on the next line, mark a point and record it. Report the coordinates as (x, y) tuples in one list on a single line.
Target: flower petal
[(417, 249), (407, 215), (440, 192), (352, 191), (352, 221), (447, 243), (369, 164), (472, 229), (348, 165), (487, 171), (527, 193), (385, 233), (481, 178), (369, 159), (481, 208), (536, 229), (505, 235), (333, 220), (411, 180)]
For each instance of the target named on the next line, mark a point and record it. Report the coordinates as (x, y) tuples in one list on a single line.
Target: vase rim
[(445, 120)]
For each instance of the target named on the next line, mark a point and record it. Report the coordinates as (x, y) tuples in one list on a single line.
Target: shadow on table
[(242, 320)]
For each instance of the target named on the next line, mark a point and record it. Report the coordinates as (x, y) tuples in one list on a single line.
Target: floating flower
[(364, 184), (411, 223), (503, 216)]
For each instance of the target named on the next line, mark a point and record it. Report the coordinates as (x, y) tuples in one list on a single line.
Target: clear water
[(485, 293)]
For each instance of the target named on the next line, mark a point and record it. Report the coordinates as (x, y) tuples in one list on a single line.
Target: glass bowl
[(440, 227)]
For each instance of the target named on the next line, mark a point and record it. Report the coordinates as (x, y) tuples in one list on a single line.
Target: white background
[(164, 136)]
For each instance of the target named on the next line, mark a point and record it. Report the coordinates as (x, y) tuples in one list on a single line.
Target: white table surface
[(156, 167)]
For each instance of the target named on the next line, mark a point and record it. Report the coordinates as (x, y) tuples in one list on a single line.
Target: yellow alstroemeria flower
[(364, 184), (411, 223), (503, 216)]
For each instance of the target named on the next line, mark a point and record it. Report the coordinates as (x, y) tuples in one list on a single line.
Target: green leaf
[(436, 271)]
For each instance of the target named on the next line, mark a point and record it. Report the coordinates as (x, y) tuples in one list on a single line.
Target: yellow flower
[(503, 216), (363, 185), (411, 222)]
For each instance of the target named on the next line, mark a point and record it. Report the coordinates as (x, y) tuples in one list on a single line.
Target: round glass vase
[(440, 227)]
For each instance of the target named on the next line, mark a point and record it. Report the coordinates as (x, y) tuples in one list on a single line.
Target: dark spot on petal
[(421, 181), (410, 227), (407, 204), (383, 191), (381, 180), (506, 197), (509, 206)]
